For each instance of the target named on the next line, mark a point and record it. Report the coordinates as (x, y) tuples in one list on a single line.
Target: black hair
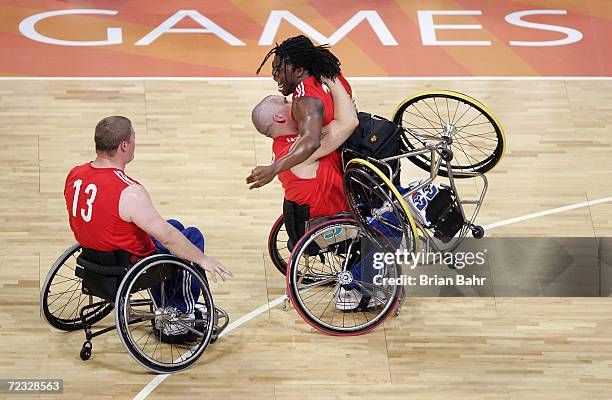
[(299, 51)]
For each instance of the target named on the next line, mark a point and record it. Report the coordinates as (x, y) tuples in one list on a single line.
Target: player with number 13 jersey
[(92, 198)]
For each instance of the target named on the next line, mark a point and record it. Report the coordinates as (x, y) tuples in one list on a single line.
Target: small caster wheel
[(478, 232), (446, 154), (213, 339), (396, 313), (286, 304), (86, 351)]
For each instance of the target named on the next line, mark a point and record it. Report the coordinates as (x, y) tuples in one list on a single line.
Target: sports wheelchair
[(84, 286), (447, 134)]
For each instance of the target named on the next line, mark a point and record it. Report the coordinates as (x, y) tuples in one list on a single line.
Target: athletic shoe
[(347, 299), (173, 332)]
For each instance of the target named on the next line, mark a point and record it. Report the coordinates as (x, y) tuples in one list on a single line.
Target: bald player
[(316, 183), (299, 68)]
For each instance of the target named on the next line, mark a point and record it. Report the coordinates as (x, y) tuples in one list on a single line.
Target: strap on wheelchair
[(105, 262), (112, 270)]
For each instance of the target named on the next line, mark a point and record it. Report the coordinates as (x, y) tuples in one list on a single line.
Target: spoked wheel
[(378, 207), (353, 294), (278, 245), (157, 327), (280, 250), (478, 140), (61, 298)]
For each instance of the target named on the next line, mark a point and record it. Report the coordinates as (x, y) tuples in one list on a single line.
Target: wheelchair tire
[(278, 245), (364, 318), (126, 316), (61, 297), (369, 191), (477, 146)]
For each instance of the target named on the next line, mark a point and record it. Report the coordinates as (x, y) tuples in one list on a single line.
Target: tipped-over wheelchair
[(447, 134), (156, 327)]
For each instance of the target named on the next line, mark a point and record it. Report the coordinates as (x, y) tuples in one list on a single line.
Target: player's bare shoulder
[(307, 105), (133, 198)]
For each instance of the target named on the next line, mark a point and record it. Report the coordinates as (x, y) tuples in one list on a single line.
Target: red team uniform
[(310, 87), (92, 199), (324, 193)]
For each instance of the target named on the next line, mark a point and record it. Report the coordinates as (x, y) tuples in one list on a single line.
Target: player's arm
[(135, 206), (342, 126), (309, 112)]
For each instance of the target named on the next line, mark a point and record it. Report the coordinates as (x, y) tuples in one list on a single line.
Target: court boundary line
[(157, 380), (261, 78)]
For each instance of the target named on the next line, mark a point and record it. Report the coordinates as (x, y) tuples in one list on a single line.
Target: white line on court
[(233, 325), (261, 78), (245, 318), (547, 212)]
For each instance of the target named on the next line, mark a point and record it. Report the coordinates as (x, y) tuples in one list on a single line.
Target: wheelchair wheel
[(478, 139), (279, 249), (278, 245), (143, 318), (346, 266), (378, 207), (61, 298)]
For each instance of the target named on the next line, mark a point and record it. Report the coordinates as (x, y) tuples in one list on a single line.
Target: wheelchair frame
[(93, 312), (439, 148)]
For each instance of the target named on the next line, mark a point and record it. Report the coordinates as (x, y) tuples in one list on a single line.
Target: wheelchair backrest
[(102, 271), (375, 138)]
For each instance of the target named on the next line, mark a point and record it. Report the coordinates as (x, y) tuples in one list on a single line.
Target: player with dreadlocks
[(297, 67)]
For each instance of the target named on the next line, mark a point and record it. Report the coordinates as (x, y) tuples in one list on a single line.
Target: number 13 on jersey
[(90, 191)]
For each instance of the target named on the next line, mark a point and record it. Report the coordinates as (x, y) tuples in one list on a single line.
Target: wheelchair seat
[(103, 271)]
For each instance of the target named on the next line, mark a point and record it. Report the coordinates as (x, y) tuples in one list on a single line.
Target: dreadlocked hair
[(299, 51)]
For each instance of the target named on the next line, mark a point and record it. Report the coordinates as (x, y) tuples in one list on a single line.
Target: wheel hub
[(449, 130), (345, 277)]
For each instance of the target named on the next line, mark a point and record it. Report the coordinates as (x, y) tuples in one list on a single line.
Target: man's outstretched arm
[(309, 112), (135, 206)]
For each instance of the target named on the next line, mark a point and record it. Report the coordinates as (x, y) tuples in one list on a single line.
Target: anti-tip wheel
[(478, 232), (86, 351)]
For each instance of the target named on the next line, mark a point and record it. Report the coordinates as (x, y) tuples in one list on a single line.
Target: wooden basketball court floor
[(195, 146)]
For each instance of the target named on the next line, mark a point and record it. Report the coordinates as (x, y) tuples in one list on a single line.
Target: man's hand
[(261, 176), (214, 267), (135, 206)]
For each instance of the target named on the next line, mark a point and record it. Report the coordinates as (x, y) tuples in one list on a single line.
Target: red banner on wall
[(228, 38)]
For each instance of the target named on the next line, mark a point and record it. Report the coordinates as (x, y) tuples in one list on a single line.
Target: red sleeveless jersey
[(324, 193), (92, 199), (310, 87)]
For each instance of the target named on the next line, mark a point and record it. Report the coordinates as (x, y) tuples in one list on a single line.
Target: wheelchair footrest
[(220, 314)]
